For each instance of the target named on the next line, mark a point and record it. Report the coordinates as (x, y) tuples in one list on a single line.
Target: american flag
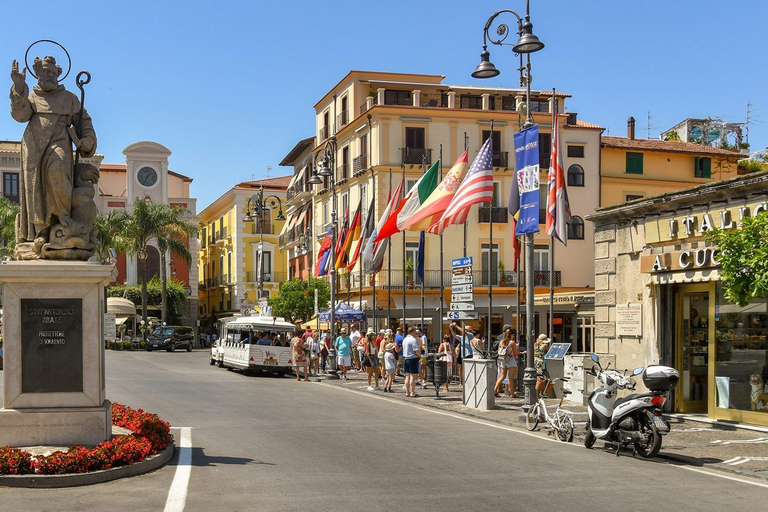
[(558, 207), (477, 187)]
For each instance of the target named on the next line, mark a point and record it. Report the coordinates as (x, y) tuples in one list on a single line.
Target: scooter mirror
[(594, 357), (637, 371)]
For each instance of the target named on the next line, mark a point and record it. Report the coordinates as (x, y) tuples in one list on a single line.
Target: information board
[(629, 320), (557, 351)]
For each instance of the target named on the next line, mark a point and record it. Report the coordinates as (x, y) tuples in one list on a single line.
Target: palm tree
[(109, 234), (149, 222), (175, 231), (8, 212)]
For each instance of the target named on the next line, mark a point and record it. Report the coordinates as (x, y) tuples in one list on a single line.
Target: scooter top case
[(660, 378)]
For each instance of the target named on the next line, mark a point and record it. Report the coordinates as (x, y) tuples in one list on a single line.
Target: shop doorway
[(693, 315)]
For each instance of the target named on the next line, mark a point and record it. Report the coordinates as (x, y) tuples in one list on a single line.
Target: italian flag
[(432, 209), (411, 204)]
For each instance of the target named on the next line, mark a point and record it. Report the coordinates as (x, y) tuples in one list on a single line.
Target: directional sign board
[(462, 271), (462, 297), (464, 279), (462, 288), (463, 315), (462, 262), (462, 306)]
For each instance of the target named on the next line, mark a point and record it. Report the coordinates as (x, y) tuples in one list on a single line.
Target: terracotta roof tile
[(583, 124), (665, 145), (122, 168), (280, 182)]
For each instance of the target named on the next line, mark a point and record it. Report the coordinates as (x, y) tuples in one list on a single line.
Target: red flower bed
[(150, 435)]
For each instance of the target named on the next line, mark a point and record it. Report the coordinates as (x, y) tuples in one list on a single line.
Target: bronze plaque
[(51, 345)]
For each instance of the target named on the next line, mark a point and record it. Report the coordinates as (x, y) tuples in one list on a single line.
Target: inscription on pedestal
[(51, 345)]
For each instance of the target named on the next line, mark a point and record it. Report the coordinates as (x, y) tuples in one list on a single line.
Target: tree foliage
[(296, 300), (177, 295), (109, 229), (743, 257), (8, 212)]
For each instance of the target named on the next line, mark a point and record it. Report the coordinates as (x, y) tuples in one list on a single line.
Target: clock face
[(147, 176)]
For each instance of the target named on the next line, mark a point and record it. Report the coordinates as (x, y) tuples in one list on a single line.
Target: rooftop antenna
[(750, 119), (269, 170), (650, 125)]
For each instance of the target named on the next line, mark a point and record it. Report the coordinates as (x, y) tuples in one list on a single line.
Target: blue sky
[(229, 86)]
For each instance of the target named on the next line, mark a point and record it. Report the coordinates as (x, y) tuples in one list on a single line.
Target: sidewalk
[(723, 447)]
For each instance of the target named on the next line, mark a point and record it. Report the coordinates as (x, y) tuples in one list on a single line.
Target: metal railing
[(342, 172), (471, 101), (325, 132), (417, 156), (342, 119), (501, 159), (360, 163), (403, 98), (269, 277), (364, 106), (399, 278), (252, 228), (499, 214)]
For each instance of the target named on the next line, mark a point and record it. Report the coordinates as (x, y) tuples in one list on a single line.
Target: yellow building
[(390, 125), (633, 168), (229, 247)]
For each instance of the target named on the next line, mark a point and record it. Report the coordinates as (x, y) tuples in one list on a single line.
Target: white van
[(255, 343)]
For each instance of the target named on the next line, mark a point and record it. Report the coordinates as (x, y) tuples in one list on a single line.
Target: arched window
[(576, 229), (575, 176)]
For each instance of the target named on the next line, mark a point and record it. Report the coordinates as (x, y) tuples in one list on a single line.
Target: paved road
[(262, 443)]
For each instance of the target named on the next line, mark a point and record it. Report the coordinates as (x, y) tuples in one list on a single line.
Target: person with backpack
[(507, 357)]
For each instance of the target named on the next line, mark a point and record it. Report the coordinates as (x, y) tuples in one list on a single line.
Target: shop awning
[(289, 223), (303, 214), (692, 276), (120, 320), (120, 306)]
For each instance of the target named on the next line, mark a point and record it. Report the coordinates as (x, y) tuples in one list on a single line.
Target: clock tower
[(147, 172)]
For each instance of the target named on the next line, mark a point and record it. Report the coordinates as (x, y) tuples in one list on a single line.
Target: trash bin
[(333, 364), (437, 372)]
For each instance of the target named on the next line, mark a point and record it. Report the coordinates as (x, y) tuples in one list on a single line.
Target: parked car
[(171, 337)]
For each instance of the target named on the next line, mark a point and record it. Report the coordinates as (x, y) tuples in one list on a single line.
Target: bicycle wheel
[(565, 428), (533, 417)]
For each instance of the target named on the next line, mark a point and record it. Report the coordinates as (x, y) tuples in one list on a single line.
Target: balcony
[(269, 277), (342, 119), (359, 164), (417, 156), (400, 279), (364, 106), (501, 159), (252, 228), (325, 132), (342, 172), (298, 193), (498, 214), (402, 98)]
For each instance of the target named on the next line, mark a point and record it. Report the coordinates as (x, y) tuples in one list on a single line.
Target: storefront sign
[(681, 260), (696, 224), (629, 320), (567, 299)]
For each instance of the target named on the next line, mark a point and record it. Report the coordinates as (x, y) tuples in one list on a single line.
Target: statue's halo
[(30, 69)]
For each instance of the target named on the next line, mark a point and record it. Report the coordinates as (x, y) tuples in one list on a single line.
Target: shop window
[(575, 176), (741, 371), (634, 163)]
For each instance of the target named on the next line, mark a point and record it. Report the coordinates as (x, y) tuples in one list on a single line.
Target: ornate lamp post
[(324, 164), (526, 44), (257, 206)]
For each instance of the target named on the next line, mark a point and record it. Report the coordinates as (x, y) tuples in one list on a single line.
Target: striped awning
[(303, 214), (288, 223)]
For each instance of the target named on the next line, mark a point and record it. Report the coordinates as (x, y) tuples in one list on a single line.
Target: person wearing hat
[(369, 359), (540, 348), (343, 347), (389, 364)]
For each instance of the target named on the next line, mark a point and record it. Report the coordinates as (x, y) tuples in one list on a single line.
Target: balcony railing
[(399, 278), (269, 277), (471, 101), (542, 215), (364, 106), (398, 98), (541, 278), (252, 228), (342, 119), (499, 214), (325, 132), (342, 172), (360, 163), (417, 156), (501, 159)]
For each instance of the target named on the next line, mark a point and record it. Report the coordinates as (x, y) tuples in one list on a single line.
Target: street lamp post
[(323, 164), (526, 44), (257, 206)]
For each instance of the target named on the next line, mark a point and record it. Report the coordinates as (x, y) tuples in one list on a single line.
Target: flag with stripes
[(373, 254), (323, 256), (477, 187), (558, 208)]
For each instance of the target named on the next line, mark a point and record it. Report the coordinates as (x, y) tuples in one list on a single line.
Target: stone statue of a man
[(57, 207)]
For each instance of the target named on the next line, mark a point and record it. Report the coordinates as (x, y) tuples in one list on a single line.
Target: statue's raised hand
[(19, 78)]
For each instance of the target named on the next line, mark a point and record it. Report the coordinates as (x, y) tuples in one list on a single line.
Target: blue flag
[(420, 257), (527, 180)]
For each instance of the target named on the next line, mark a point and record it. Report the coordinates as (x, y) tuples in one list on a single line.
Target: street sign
[(463, 315), (460, 271), (461, 288), (462, 306), (463, 279), (462, 297), (462, 262)]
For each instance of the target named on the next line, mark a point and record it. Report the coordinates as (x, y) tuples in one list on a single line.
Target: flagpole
[(552, 237), (461, 342), (423, 248), (389, 268), (404, 272), (491, 270), (373, 280), (439, 335)]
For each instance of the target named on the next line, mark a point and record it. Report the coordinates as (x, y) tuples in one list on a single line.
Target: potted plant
[(502, 275), (409, 271)]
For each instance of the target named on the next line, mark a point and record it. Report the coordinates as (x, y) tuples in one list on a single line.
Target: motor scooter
[(634, 420)]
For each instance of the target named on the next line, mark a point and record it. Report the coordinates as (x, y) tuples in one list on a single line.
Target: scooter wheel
[(589, 439)]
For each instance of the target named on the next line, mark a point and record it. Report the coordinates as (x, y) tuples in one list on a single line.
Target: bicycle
[(561, 421)]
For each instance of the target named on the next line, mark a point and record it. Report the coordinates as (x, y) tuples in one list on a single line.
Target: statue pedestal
[(53, 380)]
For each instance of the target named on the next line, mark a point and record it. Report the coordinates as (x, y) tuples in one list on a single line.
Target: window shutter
[(707, 169)]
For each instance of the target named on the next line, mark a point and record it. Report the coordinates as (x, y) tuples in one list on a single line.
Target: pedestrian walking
[(380, 354), (399, 346), (355, 337), (325, 346), (343, 345), (313, 343), (390, 363), (507, 359), (540, 348), (411, 355), (423, 343), (445, 351), (370, 360), (299, 357)]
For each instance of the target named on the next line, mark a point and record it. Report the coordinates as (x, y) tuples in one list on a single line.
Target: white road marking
[(759, 440), (530, 434), (678, 430), (741, 460), (177, 494)]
